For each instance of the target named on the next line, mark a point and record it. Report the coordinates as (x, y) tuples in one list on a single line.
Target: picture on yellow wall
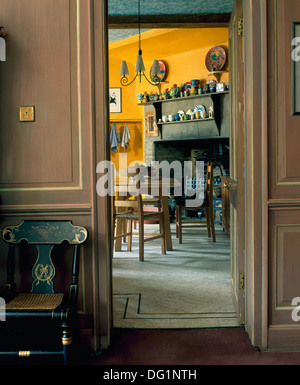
[(151, 126), (115, 101)]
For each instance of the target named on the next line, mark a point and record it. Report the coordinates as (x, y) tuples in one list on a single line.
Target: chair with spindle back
[(42, 303), (207, 206)]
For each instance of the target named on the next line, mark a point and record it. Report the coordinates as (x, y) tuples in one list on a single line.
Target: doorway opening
[(190, 286)]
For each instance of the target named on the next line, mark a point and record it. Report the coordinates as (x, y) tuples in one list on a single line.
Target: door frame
[(256, 172), (237, 182), (256, 188)]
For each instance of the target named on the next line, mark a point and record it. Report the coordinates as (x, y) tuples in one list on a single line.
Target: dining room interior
[(184, 118)]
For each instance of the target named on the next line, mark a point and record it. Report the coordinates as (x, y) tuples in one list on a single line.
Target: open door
[(236, 181)]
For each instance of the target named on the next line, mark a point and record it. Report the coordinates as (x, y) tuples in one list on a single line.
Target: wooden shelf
[(186, 121), (191, 129), (217, 74), (210, 94)]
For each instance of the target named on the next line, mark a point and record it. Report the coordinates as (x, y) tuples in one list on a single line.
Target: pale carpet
[(189, 287)]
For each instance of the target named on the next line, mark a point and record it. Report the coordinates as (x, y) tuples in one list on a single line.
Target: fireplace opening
[(208, 150)]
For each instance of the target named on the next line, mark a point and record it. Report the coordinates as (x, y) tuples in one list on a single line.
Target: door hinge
[(240, 27), (242, 280)]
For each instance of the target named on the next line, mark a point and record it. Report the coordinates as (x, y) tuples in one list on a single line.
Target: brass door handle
[(227, 186)]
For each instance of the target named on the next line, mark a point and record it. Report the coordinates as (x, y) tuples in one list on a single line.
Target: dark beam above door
[(171, 21)]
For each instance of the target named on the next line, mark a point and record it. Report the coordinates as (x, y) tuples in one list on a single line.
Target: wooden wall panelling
[(284, 178), (47, 168), (53, 74), (284, 160), (284, 266), (38, 73)]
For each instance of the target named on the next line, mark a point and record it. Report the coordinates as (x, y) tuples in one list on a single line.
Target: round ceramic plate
[(200, 107), (162, 74), (215, 59)]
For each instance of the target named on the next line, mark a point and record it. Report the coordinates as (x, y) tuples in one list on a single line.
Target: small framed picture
[(115, 101), (151, 126)]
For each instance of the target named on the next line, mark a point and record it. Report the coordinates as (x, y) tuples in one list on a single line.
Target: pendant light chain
[(139, 25)]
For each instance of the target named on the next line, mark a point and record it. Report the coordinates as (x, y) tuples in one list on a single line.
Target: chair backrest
[(209, 182), (193, 186), (125, 205), (44, 235)]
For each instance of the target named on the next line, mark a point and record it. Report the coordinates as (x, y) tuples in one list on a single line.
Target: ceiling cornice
[(213, 20)]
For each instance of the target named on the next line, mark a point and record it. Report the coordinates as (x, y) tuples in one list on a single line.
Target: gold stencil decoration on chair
[(44, 273)]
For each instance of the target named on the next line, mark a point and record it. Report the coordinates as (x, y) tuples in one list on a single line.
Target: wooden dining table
[(159, 188)]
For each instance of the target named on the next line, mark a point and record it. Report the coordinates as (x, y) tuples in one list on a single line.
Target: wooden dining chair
[(207, 206), (130, 211), (148, 200)]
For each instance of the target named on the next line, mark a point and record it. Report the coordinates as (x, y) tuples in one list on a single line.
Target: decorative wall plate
[(181, 113), (215, 59), (163, 71), (200, 107)]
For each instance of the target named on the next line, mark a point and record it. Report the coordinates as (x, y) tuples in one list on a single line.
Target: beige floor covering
[(189, 287)]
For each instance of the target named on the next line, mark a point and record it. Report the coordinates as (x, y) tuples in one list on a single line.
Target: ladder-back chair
[(207, 206)]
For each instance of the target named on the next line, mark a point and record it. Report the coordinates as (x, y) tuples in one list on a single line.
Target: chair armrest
[(9, 291)]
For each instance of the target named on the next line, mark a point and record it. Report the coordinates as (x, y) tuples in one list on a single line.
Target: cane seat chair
[(42, 304), (132, 211), (207, 206)]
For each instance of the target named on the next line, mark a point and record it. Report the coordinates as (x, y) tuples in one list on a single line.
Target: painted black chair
[(42, 304)]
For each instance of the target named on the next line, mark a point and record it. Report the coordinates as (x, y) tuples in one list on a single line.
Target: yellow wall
[(184, 51)]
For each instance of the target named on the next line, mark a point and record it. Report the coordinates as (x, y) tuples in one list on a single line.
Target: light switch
[(27, 114)]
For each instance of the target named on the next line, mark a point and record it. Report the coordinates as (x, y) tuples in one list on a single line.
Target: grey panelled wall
[(284, 178), (47, 167)]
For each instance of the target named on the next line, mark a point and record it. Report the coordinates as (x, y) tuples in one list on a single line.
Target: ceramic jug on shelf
[(174, 91)]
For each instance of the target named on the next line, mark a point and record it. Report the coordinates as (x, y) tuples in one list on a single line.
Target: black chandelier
[(139, 67)]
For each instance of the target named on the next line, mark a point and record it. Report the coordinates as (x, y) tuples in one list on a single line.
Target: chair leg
[(66, 341), (207, 214), (180, 225), (162, 233), (176, 220), (118, 229), (129, 230), (212, 225), (124, 225), (141, 241)]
